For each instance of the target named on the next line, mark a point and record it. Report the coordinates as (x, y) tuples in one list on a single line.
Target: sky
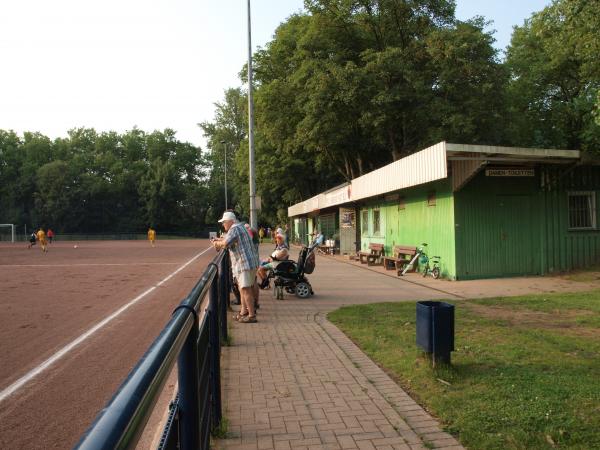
[(153, 64)]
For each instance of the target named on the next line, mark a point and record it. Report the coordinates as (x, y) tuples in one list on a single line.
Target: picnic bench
[(401, 255), (373, 256)]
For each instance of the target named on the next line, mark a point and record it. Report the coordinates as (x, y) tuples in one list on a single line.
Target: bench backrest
[(376, 248), (405, 250)]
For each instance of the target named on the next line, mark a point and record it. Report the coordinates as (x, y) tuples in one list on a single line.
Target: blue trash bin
[(435, 329)]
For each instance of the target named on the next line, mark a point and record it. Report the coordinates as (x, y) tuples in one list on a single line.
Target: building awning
[(431, 164)]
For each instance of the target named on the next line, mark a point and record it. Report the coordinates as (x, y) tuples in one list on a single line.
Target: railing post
[(189, 386), (215, 354), (224, 290)]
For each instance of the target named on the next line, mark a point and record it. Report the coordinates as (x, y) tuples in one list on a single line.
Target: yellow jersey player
[(151, 235), (41, 236)]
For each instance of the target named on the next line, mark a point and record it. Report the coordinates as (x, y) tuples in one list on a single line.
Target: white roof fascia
[(516, 151), (419, 168)]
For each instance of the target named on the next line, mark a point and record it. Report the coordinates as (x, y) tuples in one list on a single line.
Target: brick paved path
[(293, 380)]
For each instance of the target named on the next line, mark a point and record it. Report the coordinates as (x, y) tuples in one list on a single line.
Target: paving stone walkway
[(294, 381)]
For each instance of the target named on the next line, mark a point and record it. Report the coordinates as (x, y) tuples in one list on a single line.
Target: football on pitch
[(74, 246)]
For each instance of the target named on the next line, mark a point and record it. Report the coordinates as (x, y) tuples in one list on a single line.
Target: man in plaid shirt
[(244, 262)]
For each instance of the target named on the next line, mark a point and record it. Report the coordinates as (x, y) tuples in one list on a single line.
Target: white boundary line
[(5, 393)]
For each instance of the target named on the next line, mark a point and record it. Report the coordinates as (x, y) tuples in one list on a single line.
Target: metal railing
[(195, 343)]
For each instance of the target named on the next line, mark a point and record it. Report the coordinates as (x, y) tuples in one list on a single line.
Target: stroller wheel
[(303, 289)]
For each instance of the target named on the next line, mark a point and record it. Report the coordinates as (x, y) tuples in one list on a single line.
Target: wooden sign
[(510, 172)]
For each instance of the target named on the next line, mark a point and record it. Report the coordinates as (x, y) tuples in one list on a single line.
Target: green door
[(515, 229), (392, 228), (497, 236)]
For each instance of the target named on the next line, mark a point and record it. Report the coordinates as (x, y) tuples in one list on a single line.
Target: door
[(392, 225), (496, 236), (347, 231), (516, 235)]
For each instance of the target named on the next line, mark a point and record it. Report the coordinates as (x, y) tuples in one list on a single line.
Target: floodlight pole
[(251, 175)]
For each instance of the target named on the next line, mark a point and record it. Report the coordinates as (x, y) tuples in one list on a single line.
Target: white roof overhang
[(430, 165)]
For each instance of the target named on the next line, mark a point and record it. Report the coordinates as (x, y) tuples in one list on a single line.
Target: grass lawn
[(525, 373)]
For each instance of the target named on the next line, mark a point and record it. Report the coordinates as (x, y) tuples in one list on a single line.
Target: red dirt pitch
[(47, 300)]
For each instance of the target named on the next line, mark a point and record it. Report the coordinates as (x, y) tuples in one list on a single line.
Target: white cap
[(227, 215)]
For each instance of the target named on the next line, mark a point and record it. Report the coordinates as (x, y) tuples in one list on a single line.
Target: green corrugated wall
[(569, 249), (498, 228), (418, 223), (493, 226), (508, 226)]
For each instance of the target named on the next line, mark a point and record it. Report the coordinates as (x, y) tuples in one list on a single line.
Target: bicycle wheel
[(435, 273)]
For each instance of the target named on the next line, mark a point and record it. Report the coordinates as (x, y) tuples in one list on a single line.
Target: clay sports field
[(52, 385)]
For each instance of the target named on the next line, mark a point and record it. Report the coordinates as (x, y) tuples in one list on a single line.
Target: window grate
[(582, 210)]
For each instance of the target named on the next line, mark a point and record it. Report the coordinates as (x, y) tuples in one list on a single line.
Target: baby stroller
[(290, 275)]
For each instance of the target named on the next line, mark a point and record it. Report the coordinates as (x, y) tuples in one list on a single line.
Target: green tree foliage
[(555, 70), (352, 85), (358, 84), (225, 136), (102, 182)]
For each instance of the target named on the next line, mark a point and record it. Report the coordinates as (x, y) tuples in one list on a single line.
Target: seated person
[(280, 253), (318, 238)]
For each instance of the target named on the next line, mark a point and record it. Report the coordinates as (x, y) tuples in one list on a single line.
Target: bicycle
[(433, 270), (423, 259)]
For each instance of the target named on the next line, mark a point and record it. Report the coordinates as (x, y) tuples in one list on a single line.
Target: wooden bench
[(401, 254), (373, 256)]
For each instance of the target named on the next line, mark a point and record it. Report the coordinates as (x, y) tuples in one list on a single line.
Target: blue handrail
[(120, 424)]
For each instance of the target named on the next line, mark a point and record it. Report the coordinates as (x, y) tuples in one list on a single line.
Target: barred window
[(376, 222), (364, 226), (582, 210)]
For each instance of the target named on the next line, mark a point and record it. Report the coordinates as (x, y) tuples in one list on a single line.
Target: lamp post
[(253, 216), (225, 160)]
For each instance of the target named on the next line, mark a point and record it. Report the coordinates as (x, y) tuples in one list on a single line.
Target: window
[(364, 223), (431, 198), (582, 210), (376, 222), (327, 225)]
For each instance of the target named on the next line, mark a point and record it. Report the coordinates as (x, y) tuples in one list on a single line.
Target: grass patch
[(220, 432), (525, 373)]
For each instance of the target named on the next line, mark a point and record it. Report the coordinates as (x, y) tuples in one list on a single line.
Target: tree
[(359, 83), (555, 71), (12, 206), (54, 194), (225, 136), (469, 85), (102, 182), (354, 84)]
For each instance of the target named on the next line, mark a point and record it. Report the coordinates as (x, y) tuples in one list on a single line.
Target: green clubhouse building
[(486, 211)]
